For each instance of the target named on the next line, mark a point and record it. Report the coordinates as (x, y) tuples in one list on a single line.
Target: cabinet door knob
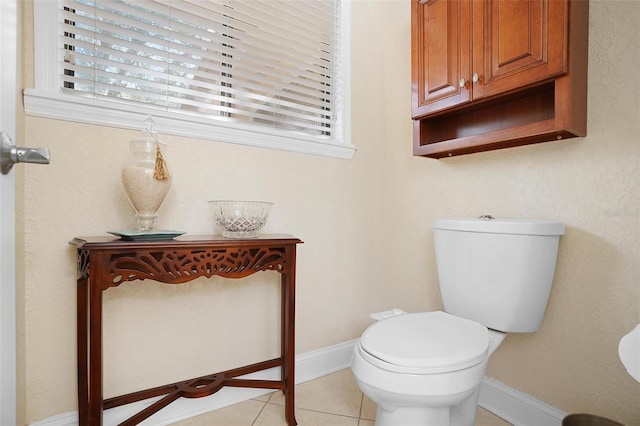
[(475, 78), (463, 82)]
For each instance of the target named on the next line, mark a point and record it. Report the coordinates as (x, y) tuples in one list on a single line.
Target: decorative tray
[(146, 236)]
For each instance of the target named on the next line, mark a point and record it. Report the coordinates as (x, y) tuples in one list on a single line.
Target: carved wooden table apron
[(105, 262)]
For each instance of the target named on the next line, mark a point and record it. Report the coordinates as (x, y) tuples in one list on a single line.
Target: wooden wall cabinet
[(491, 74)]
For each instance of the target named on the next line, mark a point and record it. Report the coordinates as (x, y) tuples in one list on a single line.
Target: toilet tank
[(497, 272)]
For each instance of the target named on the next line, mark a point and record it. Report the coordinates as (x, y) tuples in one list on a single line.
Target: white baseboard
[(513, 406), (309, 366), (516, 407)]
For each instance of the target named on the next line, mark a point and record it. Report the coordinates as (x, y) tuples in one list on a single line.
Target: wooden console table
[(105, 262)]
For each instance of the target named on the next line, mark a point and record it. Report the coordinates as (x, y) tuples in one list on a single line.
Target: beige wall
[(366, 227)]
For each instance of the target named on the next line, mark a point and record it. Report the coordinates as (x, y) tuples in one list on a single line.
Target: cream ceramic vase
[(145, 190)]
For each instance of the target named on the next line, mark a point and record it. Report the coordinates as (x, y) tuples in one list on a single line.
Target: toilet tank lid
[(500, 226)]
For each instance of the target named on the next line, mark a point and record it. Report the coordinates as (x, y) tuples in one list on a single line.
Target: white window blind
[(267, 67)]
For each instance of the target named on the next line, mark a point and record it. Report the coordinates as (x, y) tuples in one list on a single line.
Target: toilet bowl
[(424, 368), (495, 276)]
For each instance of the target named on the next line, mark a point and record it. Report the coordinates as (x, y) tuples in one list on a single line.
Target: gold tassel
[(161, 172)]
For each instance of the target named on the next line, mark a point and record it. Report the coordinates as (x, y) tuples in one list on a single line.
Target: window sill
[(58, 106)]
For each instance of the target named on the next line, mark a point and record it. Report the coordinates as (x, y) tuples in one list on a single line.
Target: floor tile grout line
[(316, 411), (264, 405), (328, 413)]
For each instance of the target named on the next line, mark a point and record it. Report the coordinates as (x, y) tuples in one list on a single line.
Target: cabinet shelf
[(522, 118)]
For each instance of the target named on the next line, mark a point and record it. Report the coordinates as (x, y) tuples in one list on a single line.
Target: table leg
[(95, 354), (288, 344), (82, 352)]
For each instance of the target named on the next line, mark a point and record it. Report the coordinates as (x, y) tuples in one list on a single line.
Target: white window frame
[(47, 100)]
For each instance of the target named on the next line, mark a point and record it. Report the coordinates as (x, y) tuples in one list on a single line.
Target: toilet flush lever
[(486, 217), (379, 316), (10, 154)]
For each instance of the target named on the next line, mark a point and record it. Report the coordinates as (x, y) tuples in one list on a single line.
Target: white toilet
[(495, 278)]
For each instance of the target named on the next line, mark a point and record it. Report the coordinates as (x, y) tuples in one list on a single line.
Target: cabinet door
[(440, 54), (517, 43)]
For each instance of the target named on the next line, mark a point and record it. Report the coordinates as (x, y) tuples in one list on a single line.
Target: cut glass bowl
[(240, 219)]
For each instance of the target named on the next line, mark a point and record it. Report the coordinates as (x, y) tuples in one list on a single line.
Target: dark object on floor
[(587, 420)]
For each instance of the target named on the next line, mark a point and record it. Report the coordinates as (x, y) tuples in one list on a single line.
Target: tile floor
[(332, 400)]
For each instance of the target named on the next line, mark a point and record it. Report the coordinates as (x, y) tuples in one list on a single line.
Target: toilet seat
[(425, 343)]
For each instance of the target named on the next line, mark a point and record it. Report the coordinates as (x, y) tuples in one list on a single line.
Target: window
[(266, 73)]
